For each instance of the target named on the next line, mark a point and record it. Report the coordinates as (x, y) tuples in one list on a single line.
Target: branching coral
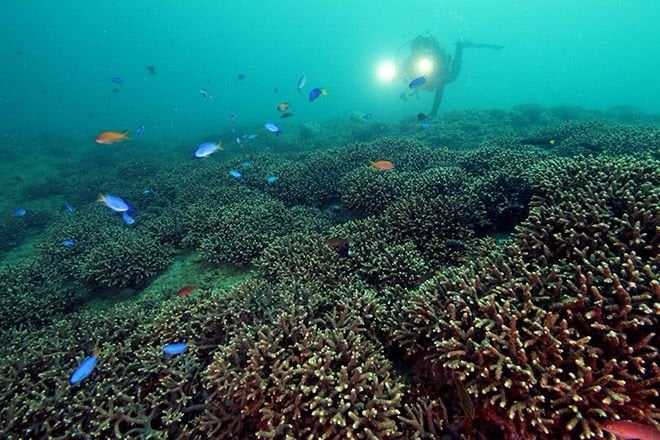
[(559, 335)]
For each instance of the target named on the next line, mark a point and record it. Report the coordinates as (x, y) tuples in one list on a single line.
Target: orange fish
[(185, 290), (382, 165), (282, 106), (631, 430), (111, 137)]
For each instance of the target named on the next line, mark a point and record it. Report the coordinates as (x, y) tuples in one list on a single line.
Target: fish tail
[(219, 146), (124, 135), (324, 92), (101, 198)]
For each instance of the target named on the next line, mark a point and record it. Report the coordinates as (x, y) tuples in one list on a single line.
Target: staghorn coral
[(307, 375), (32, 292), (558, 335), (596, 137), (246, 227)]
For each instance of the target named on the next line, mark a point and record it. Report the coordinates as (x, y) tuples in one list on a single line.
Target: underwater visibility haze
[(330, 219)]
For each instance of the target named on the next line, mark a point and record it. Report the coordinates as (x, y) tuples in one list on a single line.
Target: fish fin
[(100, 198)]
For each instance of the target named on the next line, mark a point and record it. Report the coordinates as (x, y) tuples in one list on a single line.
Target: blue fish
[(231, 117), (175, 348), (146, 191), (205, 94), (68, 208), (246, 163), (208, 148), (417, 82), (273, 128), (271, 179), (425, 124), (238, 140), (115, 203), (316, 92), (140, 130), (236, 174), (368, 116), (85, 368), (117, 80), (301, 82), (250, 136), (68, 243), (127, 218), (20, 212)]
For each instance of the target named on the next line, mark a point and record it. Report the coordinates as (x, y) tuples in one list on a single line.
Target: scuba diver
[(428, 59)]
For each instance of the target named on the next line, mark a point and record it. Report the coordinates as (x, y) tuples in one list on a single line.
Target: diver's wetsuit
[(454, 70)]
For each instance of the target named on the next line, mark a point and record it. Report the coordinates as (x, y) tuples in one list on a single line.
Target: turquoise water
[(58, 59), (372, 271)]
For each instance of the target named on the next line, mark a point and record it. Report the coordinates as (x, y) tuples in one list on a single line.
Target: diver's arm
[(456, 62), (437, 99)]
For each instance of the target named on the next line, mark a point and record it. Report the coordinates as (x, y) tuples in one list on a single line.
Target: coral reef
[(485, 290), (558, 335)]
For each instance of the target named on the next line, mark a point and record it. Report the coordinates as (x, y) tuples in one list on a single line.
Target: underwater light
[(425, 66), (387, 71)]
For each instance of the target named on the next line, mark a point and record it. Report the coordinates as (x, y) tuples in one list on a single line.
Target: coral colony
[(495, 277)]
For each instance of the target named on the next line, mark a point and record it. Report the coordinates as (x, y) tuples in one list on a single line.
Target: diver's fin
[(486, 46)]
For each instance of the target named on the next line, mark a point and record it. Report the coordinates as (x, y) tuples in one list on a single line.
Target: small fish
[(403, 96), (544, 141), (117, 80), (316, 92), (231, 117), (112, 137), (233, 130), (286, 115), (68, 243), (250, 136), (246, 163), (301, 82), (85, 368), (240, 76), (273, 128), (151, 70), (205, 94), (425, 123), (282, 106), (271, 179), (235, 174), (208, 148), (275, 90), (238, 140), (175, 348), (115, 203), (140, 130), (341, 245), (146, 191), (127, 218), (417, 82), (631, 430), (68, 208), (20, 212), (185, 290), (368, 116), (382, 165), (116, 90), (421, 117)]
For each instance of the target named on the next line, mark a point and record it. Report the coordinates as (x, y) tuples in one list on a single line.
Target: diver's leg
[(437, 100), (457, 61)]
